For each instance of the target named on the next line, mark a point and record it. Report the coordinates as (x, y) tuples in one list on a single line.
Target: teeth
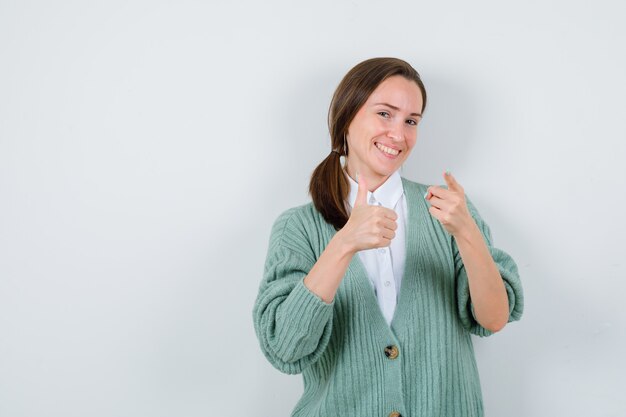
[(386, 149)]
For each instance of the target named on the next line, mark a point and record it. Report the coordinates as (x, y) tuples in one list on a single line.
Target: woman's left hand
[(449, 206)]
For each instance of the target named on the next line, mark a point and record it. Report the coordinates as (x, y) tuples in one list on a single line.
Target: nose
[(395, 132)]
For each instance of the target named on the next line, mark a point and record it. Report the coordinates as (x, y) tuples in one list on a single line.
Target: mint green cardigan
[(352, 362)]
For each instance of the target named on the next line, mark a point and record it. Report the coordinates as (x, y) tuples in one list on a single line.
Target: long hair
[(329, 186)]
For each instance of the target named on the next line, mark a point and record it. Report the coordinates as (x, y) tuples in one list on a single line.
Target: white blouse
[(385, 266)]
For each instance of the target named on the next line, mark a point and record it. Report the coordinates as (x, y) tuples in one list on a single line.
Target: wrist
[(470, 232), (341, 245)]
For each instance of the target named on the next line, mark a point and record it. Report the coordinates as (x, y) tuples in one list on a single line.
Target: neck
[(373, 181)]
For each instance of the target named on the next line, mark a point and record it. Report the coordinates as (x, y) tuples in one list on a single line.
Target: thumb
[(361, 196)]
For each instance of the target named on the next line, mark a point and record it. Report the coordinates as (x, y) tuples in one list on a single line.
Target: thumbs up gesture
[(368, 226), (449, 206)]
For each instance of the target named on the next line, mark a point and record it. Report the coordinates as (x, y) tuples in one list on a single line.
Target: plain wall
[(146, 147)]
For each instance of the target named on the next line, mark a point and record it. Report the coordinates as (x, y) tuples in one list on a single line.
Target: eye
[(384, 114), (412, 122)]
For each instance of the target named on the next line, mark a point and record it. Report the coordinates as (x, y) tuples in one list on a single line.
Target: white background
[(146, 147)]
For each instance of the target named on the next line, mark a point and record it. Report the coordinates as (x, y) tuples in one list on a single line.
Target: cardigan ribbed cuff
[(508, 271), (301, 320)]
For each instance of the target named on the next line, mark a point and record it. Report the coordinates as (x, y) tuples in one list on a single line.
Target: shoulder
[(414, 186), (298, 217), (294, 227)]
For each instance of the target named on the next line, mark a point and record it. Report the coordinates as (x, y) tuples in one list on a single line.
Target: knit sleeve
[(292, 323), (508, 271)]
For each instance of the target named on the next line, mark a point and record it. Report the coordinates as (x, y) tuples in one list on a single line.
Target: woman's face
[(384, 130)]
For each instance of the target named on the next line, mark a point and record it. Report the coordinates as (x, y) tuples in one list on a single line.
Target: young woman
[(385, 332)]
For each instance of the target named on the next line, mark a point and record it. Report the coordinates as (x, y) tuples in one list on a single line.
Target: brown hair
[(329, 186)]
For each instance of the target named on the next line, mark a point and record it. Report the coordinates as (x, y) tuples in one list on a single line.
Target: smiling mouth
[(386, 150)]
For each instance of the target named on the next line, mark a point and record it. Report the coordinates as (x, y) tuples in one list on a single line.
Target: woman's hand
[(368, 226), (449, 206)]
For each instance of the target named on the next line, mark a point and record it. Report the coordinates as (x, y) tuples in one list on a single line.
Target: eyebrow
[(396, 108)]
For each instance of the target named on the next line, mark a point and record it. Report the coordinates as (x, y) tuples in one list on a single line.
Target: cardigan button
[(391, 352), (395, 414)]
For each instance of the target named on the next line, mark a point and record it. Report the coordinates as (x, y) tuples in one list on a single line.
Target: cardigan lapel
[(416, 209)]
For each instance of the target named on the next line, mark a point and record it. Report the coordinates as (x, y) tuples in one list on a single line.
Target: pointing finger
[(451, 182)]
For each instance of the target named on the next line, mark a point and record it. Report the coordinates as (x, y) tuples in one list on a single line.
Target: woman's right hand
[(368, 226)]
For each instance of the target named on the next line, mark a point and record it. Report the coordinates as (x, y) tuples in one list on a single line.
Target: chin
[(390, 169), (386, 172), (387, 168)]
